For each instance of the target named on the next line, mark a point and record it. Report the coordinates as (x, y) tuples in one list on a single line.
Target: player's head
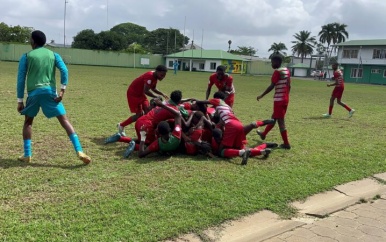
[(219, 95), (160, 72), (197, 116), (220, 72), (276, 61), (335, 66), (217, 135), (163, 128), (38, 38), (176, 96)]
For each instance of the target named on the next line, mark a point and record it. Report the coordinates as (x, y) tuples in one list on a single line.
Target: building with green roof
[(207, 60), (364, 61)]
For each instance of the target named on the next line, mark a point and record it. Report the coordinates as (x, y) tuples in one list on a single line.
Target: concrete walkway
[(355, 211)]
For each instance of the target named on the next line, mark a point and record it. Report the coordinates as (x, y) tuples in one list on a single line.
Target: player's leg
[(330, 107), (63, 120), (258, 123), (27, 136), (350, 110), (283, 133)]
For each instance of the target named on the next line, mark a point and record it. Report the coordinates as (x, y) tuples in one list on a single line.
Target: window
[(379, 54), (201, 66), (384, 73), (171, 63), (356, 72), (350, 54), (213, 65), (375, 71)]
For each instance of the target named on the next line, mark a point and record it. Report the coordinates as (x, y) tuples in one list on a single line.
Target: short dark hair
[(161, 68), (219, 95), (198, 114), (176, 96), (221, 68), (277, 57), (217, 133), (39, 38), (163, 128)]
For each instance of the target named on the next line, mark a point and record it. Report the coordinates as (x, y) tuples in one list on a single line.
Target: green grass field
[(57, 198)]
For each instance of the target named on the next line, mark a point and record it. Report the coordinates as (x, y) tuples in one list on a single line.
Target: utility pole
[(64, 27)]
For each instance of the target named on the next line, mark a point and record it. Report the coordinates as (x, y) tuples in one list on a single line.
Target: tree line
[(130, 37)]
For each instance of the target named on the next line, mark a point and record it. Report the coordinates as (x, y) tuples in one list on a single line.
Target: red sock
[(127, 122), (330, 110), (267, 129), (347, 108), (261, 147), (284, 136), (136, 147), (125, 139), (230, 153), (259, 123), (255, 152)]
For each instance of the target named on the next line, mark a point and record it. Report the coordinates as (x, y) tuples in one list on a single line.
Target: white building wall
[(365, 54)]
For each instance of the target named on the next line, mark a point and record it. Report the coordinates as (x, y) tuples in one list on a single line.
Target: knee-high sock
[(255, 152), (347, 107), (268, 128), (284, 136), (330, 109), (125, 139), (127, 122), (75, 142), (229, 153), (27, 148)]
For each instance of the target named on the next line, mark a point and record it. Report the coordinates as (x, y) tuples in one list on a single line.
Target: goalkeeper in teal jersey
[(37, 73), (169, 139)]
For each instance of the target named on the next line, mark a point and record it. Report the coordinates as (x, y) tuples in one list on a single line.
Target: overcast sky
[(210, 23)]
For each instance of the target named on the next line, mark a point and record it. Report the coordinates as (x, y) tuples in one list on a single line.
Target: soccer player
[(37, 73), (146, 84), (281, 82), (169, 139), (175, 66), (224, 83), (337, 92)]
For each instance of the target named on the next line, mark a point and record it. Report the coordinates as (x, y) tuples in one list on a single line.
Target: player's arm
[(336, 81), (155, 90), (59, 63), (268, 90), (148, 91), (208, 89), (20, 86)]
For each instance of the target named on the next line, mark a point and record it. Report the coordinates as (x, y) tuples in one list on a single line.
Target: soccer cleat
[(83, 157), (112, 139), (129, 149), (271, 145), (245, 156), (350, 114), (24, 158), (266, 152), (326, 115), (121, 129), (284, 146), (262, 136)]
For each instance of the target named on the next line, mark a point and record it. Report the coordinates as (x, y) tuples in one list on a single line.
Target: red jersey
[(338, 77), (282, 80), (223, 110), (222, 85), (137, 87), (158, 114)]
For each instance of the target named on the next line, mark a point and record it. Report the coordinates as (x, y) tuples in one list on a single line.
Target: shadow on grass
[(321, 118), (11, 163)]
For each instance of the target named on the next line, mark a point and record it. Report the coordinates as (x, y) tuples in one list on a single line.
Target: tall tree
[(86, 39), (333, 33), (17, 34), (244, 50), (277, 48), (304, 44), (132, 33), (165, 41), (110, 40)]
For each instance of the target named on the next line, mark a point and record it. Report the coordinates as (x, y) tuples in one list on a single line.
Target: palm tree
[(278, 48), (333, 33), (304, 44)]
